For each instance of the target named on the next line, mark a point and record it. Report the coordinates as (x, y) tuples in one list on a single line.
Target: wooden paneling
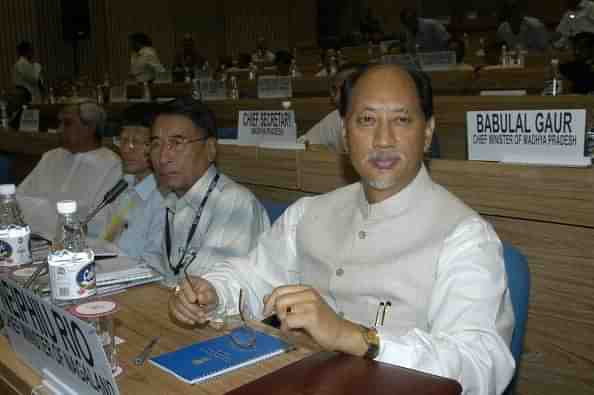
[(218, 28)]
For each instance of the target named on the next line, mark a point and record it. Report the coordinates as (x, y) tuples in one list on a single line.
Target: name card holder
[(260, 127), (29, 120), (544, 137), (404, 60), (118, 94), (274, 87), (435, 61), (212, 89), (63, 348)]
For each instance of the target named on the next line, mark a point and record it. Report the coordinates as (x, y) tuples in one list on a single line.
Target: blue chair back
[(6, 170), (274, 208), (518, 278)]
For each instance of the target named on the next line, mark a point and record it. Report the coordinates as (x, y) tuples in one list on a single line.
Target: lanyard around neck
[(193, 227)]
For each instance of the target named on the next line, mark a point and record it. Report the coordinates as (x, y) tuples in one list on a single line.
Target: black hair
[(140, 39), (196, 111), (420, 78), (283, 57), (140, 114), (24, 48)]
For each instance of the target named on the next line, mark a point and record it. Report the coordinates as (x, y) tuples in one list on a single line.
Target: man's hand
[(192, 303), (302, 307)]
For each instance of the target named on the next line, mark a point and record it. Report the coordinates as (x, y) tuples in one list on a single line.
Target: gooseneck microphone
[(109, 197)]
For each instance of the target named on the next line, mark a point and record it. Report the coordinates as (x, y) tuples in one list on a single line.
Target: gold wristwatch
[(372, 340)]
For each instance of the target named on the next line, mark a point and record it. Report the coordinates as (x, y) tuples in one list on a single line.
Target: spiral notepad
[(214, 357)]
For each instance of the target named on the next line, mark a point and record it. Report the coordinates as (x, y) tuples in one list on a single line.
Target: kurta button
[(362, 234), (339, 271)]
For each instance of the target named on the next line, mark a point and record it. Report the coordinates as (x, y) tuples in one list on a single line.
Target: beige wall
[(217, 26)]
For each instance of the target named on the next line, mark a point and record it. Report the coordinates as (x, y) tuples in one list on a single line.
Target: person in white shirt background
[(144, 60), (421, 34), (27, 73), (81, 169), (135, 221), (579, 18), (328, 131), (518, 31), (227, 216), (396, 236)]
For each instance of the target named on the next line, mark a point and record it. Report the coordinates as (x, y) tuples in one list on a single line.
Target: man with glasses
[(393, 267), (208, 216), (327, 132), (135, 220), (80, 170)]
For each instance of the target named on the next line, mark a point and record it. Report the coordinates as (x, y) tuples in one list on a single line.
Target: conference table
[(143, 314)]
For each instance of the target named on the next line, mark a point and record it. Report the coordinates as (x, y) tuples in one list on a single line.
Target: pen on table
[(377, 314), (385, 312), (141, 358)]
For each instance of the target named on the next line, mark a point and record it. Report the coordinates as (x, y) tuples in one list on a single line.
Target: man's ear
[(429, 129), (211, 149)]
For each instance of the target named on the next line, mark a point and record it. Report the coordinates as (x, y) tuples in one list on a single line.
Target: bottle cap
[(66, 206), (7, 189)]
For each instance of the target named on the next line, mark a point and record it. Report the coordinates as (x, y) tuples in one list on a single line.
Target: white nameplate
[(274, 87), (164, 77), (49, 339), (554, 137), (29, 120), (441, 60), (404, 60), (212, 89), (259, 127), (118, 94), (385, 46)]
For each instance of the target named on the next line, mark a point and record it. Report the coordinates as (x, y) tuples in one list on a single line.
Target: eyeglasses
[(174, 144), (243, 336)]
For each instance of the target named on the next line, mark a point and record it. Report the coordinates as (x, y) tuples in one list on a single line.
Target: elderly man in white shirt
[(144, 61), (80, 170), (26, 73), (395, 236), (208, 217), (135, 221), (578, 18), (328, 131)]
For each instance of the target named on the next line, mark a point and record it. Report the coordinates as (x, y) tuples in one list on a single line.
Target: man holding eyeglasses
[(80, 170), (135, 220), (393, 267), (208, 216)]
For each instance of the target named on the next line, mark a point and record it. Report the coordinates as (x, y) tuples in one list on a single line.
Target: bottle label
[(15, 248), (72, 275)]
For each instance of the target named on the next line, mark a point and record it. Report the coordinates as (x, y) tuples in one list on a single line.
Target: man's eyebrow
[(386, 108)]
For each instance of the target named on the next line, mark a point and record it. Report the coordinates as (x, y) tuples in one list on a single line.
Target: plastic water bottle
[(554, 83), (253, 71), (51, 96), (234, 94), (146, 92), (15, 249), (293, 70), (3, 115), (71, 263), (504, 58)]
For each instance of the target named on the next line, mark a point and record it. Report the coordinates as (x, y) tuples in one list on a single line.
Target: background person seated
[(144, 61), (135, 221), (421, 34), (27, 73), (262, 54), (80, 170), (520, 31), (580, 71)]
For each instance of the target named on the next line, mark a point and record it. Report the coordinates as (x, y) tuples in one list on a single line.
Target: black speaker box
[(76, 19)]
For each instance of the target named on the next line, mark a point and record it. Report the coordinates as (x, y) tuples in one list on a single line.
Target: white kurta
[(435, 259), (62, 175), (327, 132), (533, 35), (230, 224)]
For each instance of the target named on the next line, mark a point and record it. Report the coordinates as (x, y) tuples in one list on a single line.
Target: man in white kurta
[(80, 170), (396, 236), (228, 217), (577, 19), (26, 72)]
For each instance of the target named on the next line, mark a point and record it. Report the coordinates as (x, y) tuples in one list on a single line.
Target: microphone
[(109, 197)]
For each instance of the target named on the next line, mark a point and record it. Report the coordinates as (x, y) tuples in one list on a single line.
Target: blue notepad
[(211, 358)]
